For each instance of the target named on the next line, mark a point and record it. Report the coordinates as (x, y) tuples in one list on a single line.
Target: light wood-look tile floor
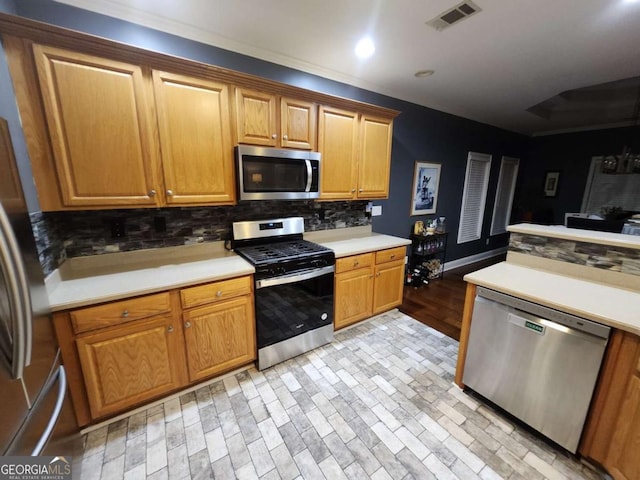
[(377, 403)]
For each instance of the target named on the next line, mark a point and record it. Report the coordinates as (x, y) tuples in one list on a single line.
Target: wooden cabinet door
[(353, 296), (256, 118), (195, 136), (374, 163), (125, 365), (100, 121), (338, 144), (623, 461), (387, 290), (297, 124), (219, 337)]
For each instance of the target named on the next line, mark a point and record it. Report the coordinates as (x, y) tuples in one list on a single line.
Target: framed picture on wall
[(426, 180), (551, 180)]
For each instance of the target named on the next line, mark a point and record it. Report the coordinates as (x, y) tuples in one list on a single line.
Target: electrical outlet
[(160, 224), (117, 228)]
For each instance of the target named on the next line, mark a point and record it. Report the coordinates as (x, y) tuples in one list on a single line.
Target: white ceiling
[(491, 67)]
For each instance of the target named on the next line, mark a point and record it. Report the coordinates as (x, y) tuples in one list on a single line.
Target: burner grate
[(272, 252)]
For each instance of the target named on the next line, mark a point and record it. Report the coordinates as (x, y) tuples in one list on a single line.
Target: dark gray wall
[(9, 111), (570, 154), (420, 134)]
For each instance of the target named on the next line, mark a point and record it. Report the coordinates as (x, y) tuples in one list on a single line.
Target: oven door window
[(284, 311), (265, 174)]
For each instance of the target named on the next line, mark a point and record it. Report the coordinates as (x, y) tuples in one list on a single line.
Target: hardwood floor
[(439, 304)]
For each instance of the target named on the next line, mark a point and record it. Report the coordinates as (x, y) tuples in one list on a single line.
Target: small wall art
[(426, 180), (551, 184)]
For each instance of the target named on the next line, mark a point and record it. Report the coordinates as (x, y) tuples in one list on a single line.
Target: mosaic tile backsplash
[(61, 235), (617, 259)]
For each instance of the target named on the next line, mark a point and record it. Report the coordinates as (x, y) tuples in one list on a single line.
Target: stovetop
[(275, 252)]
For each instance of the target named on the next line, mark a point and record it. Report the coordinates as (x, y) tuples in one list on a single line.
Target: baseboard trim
[(461, 262)]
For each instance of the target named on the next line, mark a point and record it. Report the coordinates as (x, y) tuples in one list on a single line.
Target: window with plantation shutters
[(474, 197), (504, 195)]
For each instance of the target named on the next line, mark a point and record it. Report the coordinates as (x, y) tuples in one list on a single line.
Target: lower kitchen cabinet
[(125, 365), (123, 353), (612, 434), (219, 337), (353, 289), (387, 288), (368, 284)]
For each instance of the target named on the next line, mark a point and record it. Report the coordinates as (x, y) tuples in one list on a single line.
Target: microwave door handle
[(309, 175), (19, 297)]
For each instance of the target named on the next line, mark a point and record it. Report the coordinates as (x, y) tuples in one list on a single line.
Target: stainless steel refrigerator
[(35, 413)]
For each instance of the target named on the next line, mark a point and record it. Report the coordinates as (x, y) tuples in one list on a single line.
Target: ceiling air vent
[(454, 15)]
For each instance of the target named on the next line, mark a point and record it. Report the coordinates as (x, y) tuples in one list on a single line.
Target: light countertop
[(85, 281), (577, 234), (612, 306)]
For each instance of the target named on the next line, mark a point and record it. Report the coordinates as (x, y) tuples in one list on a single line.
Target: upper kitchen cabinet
[(99, 118), (356, 154), (273, 121), (338, 144), (194, 123), (374, 162)]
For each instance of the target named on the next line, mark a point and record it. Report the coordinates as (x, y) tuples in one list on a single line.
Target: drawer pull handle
[(187, 324), (170, 328), (392, 256), (219, 293), (125, 314), (356, 263)]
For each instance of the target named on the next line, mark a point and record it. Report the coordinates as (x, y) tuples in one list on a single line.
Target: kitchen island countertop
[(612, 306), (86, 281)]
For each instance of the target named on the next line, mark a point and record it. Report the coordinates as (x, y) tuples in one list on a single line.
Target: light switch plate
[(376, 210)]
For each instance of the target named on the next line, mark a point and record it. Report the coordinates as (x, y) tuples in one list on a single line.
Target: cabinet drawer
[(216, 291), (390, 255), (346, 264), (116, 313)]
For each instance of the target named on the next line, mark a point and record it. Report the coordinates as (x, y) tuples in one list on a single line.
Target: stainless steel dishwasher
[(538, 364)]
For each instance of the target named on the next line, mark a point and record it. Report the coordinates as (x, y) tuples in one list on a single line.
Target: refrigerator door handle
[(61, 376), (19, 292)]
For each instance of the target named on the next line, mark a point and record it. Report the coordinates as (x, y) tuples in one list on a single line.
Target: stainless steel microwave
[(277, 174)]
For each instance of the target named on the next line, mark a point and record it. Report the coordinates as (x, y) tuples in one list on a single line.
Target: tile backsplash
[(608, 257), (61, 235)]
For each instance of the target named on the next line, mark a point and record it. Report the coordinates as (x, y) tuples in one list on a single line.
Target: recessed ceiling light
[(365, 48), (424, 73)]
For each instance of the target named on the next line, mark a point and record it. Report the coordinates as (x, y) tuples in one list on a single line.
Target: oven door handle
[(295, 277)]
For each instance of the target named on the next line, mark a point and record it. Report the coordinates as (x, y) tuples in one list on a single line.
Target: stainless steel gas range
[(293, 287)]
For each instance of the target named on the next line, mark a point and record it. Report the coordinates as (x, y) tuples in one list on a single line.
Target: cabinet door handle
[(274, 136), (219, 293), (361, 190), (152, 193), (371, 276), (353, 190), (285, 137), (169, 192), (125, 313), (187, 324), (170, 329), (378, 274)]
